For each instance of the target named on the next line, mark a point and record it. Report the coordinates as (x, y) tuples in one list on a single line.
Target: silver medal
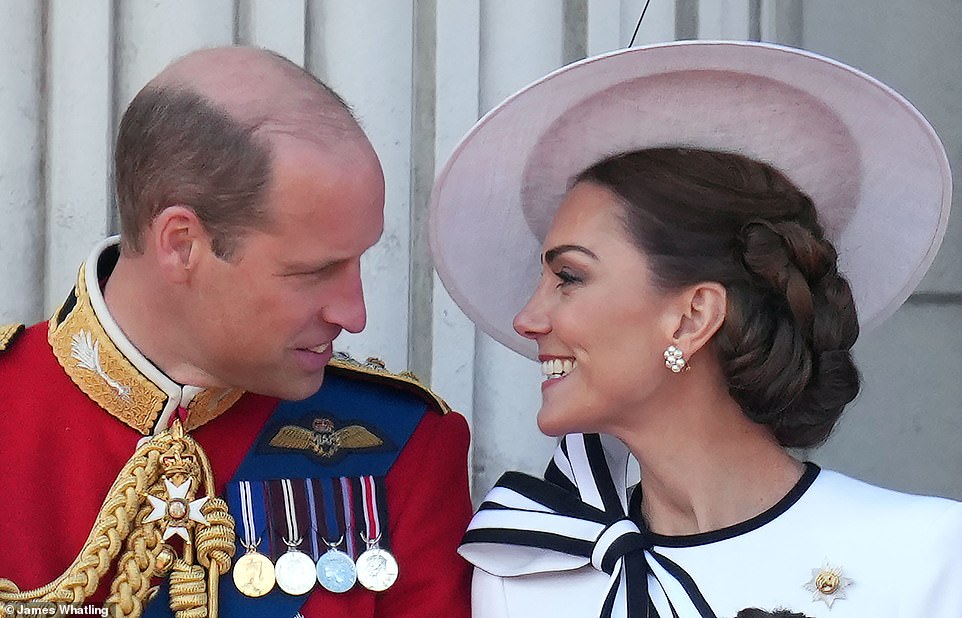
[(336, 571), (376, 569), (295, 572)]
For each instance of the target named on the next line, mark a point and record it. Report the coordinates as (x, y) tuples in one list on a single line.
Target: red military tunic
[(73, 408)]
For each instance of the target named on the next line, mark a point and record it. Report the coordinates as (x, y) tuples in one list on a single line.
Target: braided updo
[(790, 322)]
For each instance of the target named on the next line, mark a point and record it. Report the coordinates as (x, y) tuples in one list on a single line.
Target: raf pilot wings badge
[(324, 440)]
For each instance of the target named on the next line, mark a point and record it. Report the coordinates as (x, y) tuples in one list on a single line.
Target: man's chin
[(294, 391)]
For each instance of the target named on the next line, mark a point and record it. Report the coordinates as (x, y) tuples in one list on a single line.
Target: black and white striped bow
[(577, 516)]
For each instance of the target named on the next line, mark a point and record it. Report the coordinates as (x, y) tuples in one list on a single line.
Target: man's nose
[(346, 308)]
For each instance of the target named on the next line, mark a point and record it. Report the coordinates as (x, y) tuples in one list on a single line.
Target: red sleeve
[(429, 509)]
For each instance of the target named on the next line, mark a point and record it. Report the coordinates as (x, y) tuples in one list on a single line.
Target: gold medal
[(254, 574)]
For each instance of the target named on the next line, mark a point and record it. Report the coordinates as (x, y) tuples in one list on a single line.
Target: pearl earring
[(675, 359)]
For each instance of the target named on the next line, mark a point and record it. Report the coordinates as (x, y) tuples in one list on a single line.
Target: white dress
[(891, 555)]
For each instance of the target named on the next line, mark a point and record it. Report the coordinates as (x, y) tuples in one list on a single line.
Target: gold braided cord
[(131, 586), (128, 523), (215, 542), (188, 590), (215, 547), (105, 540)]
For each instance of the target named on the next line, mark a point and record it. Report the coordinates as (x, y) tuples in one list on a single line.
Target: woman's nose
[(532, 320)]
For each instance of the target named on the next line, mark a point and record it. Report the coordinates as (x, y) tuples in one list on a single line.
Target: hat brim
[(873, 166)]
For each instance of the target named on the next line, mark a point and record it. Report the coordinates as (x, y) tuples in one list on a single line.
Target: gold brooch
[(828, 584)]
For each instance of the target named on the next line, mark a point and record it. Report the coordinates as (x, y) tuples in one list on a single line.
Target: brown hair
[(175, 147), (790, 322)]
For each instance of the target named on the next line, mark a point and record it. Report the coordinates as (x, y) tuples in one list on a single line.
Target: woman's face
[(600, 324)]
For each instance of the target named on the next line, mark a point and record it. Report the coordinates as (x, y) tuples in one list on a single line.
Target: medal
[(377, 570), (294, 570), (335, 569), (253, 573)]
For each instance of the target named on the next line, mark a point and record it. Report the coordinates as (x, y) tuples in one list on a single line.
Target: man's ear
[(702, 309), (178, 238)]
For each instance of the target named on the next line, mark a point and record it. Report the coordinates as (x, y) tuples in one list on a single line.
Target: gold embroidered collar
[(110, 370)]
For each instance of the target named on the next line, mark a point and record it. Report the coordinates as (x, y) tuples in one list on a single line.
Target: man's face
[(264, 321)]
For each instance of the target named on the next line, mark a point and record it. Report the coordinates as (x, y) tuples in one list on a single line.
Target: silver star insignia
[(828, 584)]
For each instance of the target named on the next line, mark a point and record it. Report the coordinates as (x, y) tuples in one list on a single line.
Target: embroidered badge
[(86, 352), (324, 440), (828, 584)]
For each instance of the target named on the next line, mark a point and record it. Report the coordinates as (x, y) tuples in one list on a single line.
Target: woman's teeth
[(557, 368), (319, 349)]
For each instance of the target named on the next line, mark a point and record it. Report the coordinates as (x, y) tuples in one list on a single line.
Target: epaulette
[(9, 332), (373, 369)]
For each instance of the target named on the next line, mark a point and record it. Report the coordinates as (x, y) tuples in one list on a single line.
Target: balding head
[(263, 90), (201, 134)]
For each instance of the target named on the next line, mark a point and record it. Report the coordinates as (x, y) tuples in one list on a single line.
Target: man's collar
[(110, 370)]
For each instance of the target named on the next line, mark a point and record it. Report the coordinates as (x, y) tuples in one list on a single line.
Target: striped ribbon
[(575, 517), (247, 498), (372, 519), (292, 508)]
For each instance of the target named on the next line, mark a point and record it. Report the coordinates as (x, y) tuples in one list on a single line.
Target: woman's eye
[(566, 278)]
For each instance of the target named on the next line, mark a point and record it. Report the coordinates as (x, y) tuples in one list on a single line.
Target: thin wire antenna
[(638, 25)]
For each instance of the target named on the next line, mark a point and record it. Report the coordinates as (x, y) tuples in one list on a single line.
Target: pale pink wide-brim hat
[(872, 164)]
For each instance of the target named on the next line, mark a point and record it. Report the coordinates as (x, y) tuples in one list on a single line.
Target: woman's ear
[(702, 312)]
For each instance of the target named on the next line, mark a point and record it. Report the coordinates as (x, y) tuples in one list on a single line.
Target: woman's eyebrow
[(552, 254)]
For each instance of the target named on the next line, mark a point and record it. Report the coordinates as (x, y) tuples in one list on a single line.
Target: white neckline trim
[(177, 395)]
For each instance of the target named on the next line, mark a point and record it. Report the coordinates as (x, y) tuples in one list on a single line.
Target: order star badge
[(177, 510), (828, 584)]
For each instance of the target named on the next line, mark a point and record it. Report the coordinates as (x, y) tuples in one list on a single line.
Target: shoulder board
[(9, 332), (373, 369)]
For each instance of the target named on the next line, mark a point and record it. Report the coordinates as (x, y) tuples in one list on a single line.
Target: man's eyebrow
[(552, 254), (298, 268)]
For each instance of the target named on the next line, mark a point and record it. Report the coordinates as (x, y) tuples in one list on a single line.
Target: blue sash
[(345, 401)]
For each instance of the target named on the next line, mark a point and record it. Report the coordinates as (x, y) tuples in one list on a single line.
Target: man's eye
[(317, 273)]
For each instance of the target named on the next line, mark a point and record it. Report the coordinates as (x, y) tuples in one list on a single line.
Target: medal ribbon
[(347, 494), (579, 513), (332, 526), (372, 520), (312, 512), (288, 504), (247, 494), (248, 499), (374, 507), (380, 506), (295, 524)]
